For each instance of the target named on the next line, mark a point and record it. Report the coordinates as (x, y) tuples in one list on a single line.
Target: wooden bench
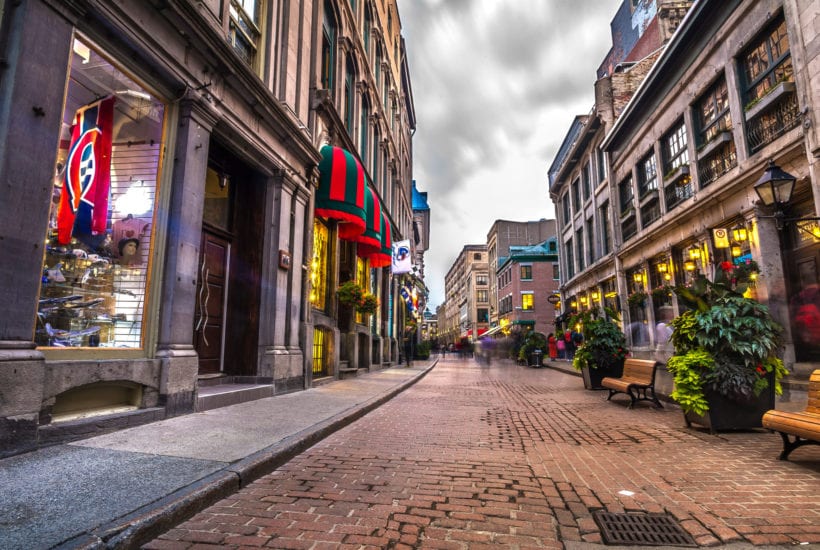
[(804, 426), (637, 379)]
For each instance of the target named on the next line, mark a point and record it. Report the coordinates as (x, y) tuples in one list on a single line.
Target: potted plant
[(725, 366), (603, 350), (533, 348)]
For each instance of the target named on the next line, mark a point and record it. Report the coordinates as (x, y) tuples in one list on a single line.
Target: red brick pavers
[(508, 456)]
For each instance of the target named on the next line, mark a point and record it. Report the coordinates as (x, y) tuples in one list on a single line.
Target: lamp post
[(775, 188)]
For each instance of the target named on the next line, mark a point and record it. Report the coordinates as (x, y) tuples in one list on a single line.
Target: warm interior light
[(638, 277), (573, 303), (584, 300), (662, 267), (595, 296), (689, 265), (740, 234), (736, 250), (694, 253)]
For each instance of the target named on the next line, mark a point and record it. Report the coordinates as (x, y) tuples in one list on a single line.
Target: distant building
[(467, 301), (527, 278), (504, 234)]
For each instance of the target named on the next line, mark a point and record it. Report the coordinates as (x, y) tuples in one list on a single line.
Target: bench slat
[(637, 379), (803, 426)]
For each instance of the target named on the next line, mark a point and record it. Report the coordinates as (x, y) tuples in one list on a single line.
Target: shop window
[(579, 244), (570, 260), (576, 195), (769, 93), (606, 238), (100, 228), (318, 266), (647, 175), (716, 146), (767, 63), (349, 95), (566, 208), (363, 280), (625, 195), (243, 29), (321, 341), (527, 302), (365, 129), (328, 47)]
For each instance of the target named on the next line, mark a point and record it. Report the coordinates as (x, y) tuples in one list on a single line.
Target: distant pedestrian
[(560, 347), (552, 346), (569, 345)]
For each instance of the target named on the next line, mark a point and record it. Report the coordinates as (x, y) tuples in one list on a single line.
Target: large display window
[(99, 234)]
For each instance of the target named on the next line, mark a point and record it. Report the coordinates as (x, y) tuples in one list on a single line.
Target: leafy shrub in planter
[(727, 343), (604, 343)]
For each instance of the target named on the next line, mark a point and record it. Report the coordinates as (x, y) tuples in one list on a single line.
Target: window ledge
[(770, 99), (627, 213), (677, 174), (648, 196), (723, 137)]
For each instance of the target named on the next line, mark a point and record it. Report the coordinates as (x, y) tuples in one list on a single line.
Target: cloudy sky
[(496, 85)]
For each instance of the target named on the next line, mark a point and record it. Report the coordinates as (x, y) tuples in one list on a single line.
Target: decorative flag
[(83, 207), (402, 260), (721, 237), (410, 300)]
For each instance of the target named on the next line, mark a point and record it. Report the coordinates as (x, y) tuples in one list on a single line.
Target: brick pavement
[(508, 456)]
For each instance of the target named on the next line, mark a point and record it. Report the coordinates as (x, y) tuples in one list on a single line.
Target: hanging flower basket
[(369, 304), (350, 294)]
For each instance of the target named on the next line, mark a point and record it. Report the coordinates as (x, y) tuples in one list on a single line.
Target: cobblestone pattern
[(513, 457)]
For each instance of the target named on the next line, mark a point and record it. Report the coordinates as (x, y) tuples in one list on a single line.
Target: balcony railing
[(770, 123), (677, 192)]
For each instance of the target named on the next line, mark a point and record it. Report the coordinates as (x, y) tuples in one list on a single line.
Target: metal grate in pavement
[(641, 529)]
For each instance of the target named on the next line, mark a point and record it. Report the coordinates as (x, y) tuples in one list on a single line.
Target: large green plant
[(604, 343), (727, 343)]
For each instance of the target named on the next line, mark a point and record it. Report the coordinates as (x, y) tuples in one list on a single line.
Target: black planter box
[(727, 414), (593, 377)]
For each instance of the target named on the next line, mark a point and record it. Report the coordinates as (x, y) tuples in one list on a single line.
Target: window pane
[(98, 239), (318, 266)]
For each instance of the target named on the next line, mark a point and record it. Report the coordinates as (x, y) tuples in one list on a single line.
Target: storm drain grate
[(641, 529)]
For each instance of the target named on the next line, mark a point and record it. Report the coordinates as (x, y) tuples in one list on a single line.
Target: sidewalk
[(120, 489)]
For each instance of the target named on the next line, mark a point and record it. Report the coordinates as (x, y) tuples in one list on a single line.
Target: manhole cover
[(641, 529)]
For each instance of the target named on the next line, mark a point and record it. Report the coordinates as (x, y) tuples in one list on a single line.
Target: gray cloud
[(496, 85)]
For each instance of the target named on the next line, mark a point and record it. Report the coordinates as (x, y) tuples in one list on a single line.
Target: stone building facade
[(466, 291), (673, 172), (158, 232)]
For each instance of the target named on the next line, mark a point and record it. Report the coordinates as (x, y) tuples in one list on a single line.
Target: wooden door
[(211, 297)]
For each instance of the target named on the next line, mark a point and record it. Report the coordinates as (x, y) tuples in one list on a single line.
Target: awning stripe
[(341, 191), (371, 240), (384, 256)]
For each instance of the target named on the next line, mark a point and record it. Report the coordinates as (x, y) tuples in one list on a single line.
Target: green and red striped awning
[(370, 241), (383, 257), (341, 193)]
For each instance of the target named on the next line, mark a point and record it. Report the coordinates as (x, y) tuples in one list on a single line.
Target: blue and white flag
[(402, 258)]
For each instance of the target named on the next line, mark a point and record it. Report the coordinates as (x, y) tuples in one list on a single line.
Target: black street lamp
[(775, 189)]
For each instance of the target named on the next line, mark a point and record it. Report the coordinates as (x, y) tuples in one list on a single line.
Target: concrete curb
[(132, 530)]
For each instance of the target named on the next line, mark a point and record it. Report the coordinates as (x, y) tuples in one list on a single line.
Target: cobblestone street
[(508, 456)]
